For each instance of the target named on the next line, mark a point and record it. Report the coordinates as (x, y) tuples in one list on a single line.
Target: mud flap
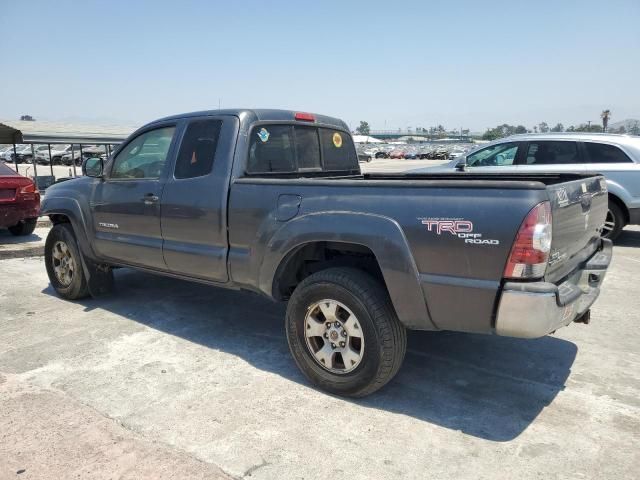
[(99, 277)]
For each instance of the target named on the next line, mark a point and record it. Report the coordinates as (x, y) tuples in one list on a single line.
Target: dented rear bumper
[(531, 310)]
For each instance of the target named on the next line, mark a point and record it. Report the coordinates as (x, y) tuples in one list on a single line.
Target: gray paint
[(230, 230)]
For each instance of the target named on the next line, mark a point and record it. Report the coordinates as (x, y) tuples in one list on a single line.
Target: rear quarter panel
[(458, 278)]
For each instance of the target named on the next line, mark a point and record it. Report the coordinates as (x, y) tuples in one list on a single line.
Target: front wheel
[(64, 263), (343, 332), (614, 222)]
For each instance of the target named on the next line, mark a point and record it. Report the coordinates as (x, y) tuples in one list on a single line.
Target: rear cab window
[(295, 149)]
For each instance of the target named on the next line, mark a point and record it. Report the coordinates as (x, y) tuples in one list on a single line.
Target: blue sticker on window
[(263, 135)]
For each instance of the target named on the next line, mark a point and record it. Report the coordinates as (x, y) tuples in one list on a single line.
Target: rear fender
[(382, 235)]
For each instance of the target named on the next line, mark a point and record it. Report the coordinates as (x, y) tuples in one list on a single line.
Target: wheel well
[(314, 257), (57, 218), (623, 207)]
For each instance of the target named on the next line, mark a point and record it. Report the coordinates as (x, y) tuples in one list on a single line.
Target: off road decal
[(457, 227)]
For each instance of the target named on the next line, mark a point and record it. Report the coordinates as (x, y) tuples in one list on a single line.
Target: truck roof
[(251, 115)]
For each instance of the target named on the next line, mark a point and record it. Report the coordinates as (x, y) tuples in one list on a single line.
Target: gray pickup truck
[(274, 202)]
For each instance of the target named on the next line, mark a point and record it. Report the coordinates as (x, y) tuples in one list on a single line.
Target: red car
[(19, 202)]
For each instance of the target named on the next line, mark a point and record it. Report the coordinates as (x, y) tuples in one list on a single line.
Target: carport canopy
[(36, 132)]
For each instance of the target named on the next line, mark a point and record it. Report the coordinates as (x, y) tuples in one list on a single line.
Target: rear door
[(126, 204), (613, 162), (194, 200), (579, 209), (550, 156)]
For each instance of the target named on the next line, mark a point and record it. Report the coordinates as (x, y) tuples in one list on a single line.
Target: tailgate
[(579, 209)]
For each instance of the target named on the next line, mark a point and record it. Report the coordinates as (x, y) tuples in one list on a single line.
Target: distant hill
[(627, 124)]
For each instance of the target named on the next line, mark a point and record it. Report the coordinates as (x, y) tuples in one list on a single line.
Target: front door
[(126, 205)]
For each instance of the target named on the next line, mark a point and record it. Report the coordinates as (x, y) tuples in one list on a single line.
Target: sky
[(395, 64)]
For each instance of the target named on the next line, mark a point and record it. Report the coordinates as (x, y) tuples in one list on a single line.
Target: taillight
[(29, 188), (530, 250)]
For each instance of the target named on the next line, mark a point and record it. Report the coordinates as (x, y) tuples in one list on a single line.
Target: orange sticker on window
[(337, 140)]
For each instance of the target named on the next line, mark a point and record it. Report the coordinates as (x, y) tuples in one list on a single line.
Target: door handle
[(150, 199)]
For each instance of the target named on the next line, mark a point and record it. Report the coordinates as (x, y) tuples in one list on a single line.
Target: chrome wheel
[(609, 223), (64, 266), (334, 336)]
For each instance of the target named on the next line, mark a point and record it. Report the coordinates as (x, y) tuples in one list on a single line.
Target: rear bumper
[(531, 310), (11, 214)]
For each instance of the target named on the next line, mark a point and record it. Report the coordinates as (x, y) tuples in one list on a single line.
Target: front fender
[(70, 208), (382, 235)]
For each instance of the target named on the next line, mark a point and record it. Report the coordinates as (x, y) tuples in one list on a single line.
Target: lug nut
[(333, 345), (344, 334), (326, 335), (337, 324), (342, 344), (328, 324)]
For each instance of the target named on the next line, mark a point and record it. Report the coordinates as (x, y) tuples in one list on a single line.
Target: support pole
[(73, 160), (33, 161), (15, 157), (51, 161), (81, 156)]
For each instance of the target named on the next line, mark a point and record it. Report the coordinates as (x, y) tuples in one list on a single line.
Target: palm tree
[(605, 116)]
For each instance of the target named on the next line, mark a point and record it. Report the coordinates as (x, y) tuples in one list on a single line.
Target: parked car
[(19, 202), (284, 211), (88, 151), (617, 157), (6, 154), (396, 154)]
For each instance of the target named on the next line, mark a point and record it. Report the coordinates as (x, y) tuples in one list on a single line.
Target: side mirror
[(462, 164), (93, 167)]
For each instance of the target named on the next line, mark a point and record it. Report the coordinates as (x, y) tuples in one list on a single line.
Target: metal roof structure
[(20, 131)]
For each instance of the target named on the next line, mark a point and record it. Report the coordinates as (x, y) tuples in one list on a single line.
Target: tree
[(635, 128), (521, 129), (543, 127), (558, 128), (583, 127), (605, 116), (571, 129), (535, 129), (27, 118), (363, 129)]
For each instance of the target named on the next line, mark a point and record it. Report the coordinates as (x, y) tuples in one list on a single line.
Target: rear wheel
[(343, 332), (24, 227), (64, 263), (614, 222)]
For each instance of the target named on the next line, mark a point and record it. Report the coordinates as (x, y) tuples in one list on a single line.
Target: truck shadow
[(628, 238), (486, 386)]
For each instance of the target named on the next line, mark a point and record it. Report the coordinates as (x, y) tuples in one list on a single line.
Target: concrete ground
[(168, 379)]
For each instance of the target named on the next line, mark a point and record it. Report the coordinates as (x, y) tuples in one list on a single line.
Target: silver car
[(617, 157)]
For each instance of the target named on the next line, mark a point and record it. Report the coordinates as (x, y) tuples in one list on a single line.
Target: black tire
[(385, 338), (78, 288), (24, 227), (614, 222)]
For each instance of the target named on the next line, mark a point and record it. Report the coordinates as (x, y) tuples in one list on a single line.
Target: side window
[(271, 149), (338, 151), (603, 153), (552, 153), (494, 156), (145, 156), (307, 148), (198, 149)]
